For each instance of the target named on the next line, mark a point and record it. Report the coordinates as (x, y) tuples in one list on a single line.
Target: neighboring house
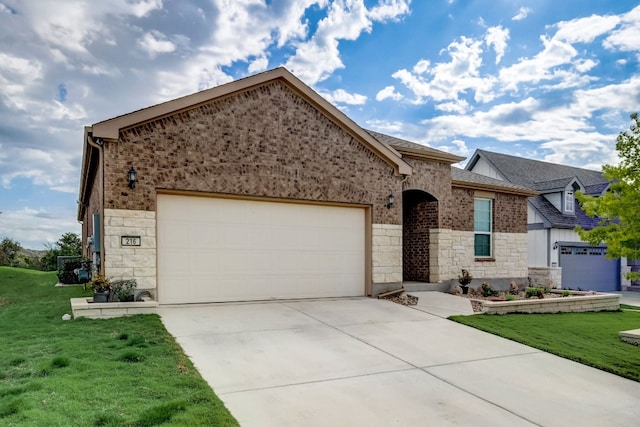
[(554, 246), (261, 189)]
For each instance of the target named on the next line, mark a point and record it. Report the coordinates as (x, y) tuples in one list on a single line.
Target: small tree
[(618, 209), (69, 244), (9, 250)]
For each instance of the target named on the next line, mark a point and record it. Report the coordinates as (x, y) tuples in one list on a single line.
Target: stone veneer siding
[(456, 247), (546, 276), (387, 253), (130, 262)]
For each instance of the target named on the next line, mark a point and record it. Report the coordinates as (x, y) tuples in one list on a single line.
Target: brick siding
[(266, 141)]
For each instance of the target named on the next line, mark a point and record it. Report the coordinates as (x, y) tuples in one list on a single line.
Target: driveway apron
[(368, 362)]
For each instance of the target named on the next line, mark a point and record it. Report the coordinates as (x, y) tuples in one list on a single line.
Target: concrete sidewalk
[(368, 362)]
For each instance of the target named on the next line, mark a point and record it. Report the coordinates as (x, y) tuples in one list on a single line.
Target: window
[(568, 201), (482, 225)]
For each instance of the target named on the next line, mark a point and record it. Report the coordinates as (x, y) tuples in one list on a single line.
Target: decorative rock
[(66, 316)]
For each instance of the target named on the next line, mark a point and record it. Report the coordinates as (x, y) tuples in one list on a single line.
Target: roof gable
[(110, 129), (536, 174)]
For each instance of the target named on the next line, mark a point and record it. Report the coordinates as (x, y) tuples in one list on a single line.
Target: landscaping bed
[(550, 301)]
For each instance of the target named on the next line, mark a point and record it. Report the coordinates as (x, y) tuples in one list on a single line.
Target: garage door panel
[(229, 250), (587, 268)]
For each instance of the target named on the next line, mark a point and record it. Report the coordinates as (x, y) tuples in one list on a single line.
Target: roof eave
[(490, 187), (86, 156), (440, 157)]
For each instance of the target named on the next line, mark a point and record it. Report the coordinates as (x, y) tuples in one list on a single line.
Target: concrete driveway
[(368, 362)]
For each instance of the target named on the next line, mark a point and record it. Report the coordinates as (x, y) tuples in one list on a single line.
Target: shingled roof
[(467, 178), (411, 148), (536, 174), (547, 177)]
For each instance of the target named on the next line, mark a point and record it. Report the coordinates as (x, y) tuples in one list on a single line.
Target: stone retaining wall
[(581, 302), (85, 307)]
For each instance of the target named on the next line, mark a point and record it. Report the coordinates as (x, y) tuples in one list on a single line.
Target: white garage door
[(213, 249)]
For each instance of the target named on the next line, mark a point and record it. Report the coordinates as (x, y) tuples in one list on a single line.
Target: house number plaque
[(130, 241)]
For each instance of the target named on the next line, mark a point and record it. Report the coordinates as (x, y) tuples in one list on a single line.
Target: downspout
[(99, 145)]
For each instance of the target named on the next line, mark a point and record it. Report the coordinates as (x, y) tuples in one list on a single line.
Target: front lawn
[(588, 338), (116, 372)]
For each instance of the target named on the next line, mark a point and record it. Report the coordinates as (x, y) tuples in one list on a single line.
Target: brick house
[(261, 189)]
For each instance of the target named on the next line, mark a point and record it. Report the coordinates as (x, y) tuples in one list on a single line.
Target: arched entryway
[(419, 215)]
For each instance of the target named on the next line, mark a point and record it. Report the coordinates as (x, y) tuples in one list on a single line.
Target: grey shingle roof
[(462, 175), (398, 142), (545, 176), (557, 219), (532, 173), (554, 184)]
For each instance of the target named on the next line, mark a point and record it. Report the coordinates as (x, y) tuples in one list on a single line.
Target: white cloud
[(74, 26), (461, 146), (533, 70), (388, 92), (317, 58), (33, 227), (23, 67), (585, 30), (259, 64), (523, 12), (340, 96), (626, 37), (446, 81), (390, 10), (154, 43), (421, 66), (459, 107), (497, 37)]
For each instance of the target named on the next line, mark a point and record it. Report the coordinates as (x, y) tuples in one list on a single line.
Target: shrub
[(99, 283), (488, 291), (534, 292), (566, 293), (124, 289), (465, 278), (509, 297)]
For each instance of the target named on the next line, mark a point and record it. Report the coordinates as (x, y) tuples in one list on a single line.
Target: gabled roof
[(416, 150), (468, 179), (555, 219), (110, 129), (556, 184), (532, 173)]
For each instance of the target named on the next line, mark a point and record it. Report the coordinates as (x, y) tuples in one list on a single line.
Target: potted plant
[(124, 289), (101, 287), (465, 279)]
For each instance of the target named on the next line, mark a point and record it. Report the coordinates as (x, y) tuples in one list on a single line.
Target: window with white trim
[(482, 227), (568, 201)]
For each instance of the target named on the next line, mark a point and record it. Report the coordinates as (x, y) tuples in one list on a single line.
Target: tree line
[(12, 253)]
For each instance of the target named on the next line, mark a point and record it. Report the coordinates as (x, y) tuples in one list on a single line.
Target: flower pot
[(127, 298), (465, 290), (101, 297)]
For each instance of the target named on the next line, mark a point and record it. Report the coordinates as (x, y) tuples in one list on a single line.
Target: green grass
[(116, 372), (588, 338), (629, 307)]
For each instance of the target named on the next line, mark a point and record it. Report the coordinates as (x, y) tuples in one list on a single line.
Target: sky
[(549, 80)]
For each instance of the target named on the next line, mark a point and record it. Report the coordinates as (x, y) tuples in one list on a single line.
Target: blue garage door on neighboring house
[(587, 268)]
